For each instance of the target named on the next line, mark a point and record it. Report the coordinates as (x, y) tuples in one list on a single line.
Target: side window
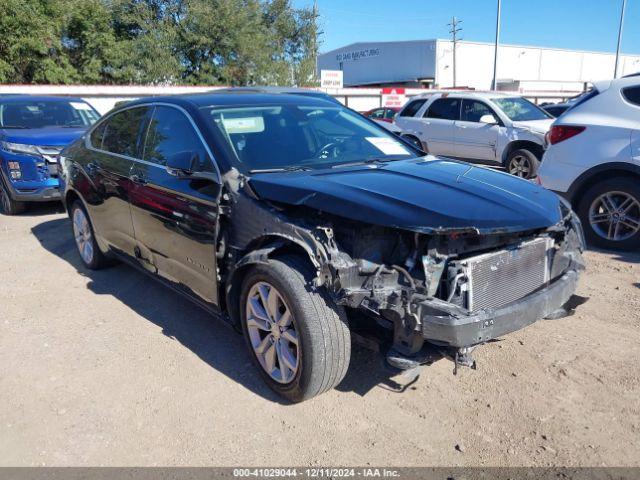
[(632, 94), (122, 131), (473, 110), (379, 113), (97, 135), (390, 113), (170, 132), (412, 108), (444, 108)]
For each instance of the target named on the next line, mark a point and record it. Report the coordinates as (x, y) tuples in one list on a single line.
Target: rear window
[(632, 94), (412, 108)]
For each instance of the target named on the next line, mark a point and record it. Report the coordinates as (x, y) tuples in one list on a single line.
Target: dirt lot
[(108, 368)]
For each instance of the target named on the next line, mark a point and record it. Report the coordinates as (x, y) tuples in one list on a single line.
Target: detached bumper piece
[(448, 326)]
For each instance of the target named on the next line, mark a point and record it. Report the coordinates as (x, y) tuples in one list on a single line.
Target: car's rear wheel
[(83, 234), (610, 214), (8, 205), (296, 335), (522, 163), (415, 141)]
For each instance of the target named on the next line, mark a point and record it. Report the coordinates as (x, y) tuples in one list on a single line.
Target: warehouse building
[(429, 63)]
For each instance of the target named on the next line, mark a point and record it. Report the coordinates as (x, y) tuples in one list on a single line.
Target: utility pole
[(455, 29), (624, 6), (494, 82)]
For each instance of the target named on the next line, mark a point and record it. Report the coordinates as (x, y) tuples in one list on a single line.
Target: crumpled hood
[(42, 136), (538, 126), (426, 195)]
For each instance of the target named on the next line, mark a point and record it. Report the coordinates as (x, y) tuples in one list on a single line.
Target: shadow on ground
[(211, 340)]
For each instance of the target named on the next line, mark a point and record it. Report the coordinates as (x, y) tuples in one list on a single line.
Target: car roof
[(235, 98), (487, 95), (8, 98)]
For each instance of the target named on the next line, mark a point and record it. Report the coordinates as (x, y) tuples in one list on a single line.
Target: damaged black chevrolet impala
[(306, 226)]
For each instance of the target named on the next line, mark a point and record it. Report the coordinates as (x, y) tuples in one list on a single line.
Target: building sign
[(393, 97), (331, 78), (358, 54)]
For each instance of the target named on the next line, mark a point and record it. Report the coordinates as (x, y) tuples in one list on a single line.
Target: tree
[(30, 43), (231, 42)]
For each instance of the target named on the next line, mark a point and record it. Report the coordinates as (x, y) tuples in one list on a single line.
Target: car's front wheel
[(610, 214), (85, 238), (297, 336), (522, 163), (8, 205)]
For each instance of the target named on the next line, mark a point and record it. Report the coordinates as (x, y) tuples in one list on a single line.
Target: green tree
[(31, 43)]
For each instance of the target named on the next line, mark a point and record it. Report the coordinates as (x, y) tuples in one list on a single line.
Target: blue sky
[(575, 24)]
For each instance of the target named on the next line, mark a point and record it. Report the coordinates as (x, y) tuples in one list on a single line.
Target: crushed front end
[(448, 291)]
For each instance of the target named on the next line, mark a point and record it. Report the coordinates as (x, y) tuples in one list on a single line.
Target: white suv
[(593, 160), (492, 128)]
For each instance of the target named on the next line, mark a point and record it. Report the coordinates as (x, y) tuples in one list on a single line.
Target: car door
[(112, 147), (474, 139), (175, 218), (407, 119), (438, 124)]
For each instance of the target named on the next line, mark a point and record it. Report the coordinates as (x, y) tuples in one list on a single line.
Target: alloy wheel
[(615, 216), (520, 166), (83, 235), (272, 332)]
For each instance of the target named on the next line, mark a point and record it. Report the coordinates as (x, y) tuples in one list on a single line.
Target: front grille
[(498, 278)]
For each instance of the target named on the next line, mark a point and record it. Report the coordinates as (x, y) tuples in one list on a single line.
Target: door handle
[(138, 179)]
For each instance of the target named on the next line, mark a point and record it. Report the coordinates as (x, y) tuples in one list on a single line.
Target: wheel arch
[(533, 147), (260, 251), (69, 199), (598, 174)]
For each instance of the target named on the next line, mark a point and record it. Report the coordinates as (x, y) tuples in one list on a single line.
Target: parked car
[(593, 160), (304, 224), (382, 114), (493, 128), (556, 109), (33, 131)]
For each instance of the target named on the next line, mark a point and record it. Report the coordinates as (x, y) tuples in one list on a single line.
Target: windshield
[(276, 137), (46, 113), (520, 109)]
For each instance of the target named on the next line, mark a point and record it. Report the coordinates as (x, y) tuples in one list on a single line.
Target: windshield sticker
[(388, 146), (243, 125), (80, 105)]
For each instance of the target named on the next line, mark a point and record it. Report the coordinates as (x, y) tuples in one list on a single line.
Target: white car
[(486, 127), (593, 160)]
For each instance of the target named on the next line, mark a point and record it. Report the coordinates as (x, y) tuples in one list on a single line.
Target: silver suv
[(485, 127)]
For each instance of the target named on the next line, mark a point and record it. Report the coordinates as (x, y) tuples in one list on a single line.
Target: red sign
[(393, 97)]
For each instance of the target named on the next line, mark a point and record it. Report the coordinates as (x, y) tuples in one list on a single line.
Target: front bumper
[(46, 189), (458, 328)]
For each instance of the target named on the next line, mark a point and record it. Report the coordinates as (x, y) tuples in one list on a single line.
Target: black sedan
[(305, 225)]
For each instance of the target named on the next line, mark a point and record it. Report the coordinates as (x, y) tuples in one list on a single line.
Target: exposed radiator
[(498, 278)]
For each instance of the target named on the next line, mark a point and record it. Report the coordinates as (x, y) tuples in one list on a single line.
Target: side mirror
[(488, 119), (185, 165), (182, 163)]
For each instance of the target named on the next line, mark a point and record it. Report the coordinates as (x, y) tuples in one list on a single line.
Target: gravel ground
[(110, 368)]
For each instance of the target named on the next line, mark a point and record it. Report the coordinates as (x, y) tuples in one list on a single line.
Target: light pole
[(495, 52), (615, 69)]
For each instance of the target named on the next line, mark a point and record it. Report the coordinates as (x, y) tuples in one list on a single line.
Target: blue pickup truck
[(33, 132)]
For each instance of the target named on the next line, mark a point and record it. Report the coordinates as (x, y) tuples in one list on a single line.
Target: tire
[(323, 348), (8, 205), (522, 163), (414, 141), (85, 239), (598, 222)]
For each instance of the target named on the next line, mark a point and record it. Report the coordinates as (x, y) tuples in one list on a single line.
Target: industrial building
[(429, 63)]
